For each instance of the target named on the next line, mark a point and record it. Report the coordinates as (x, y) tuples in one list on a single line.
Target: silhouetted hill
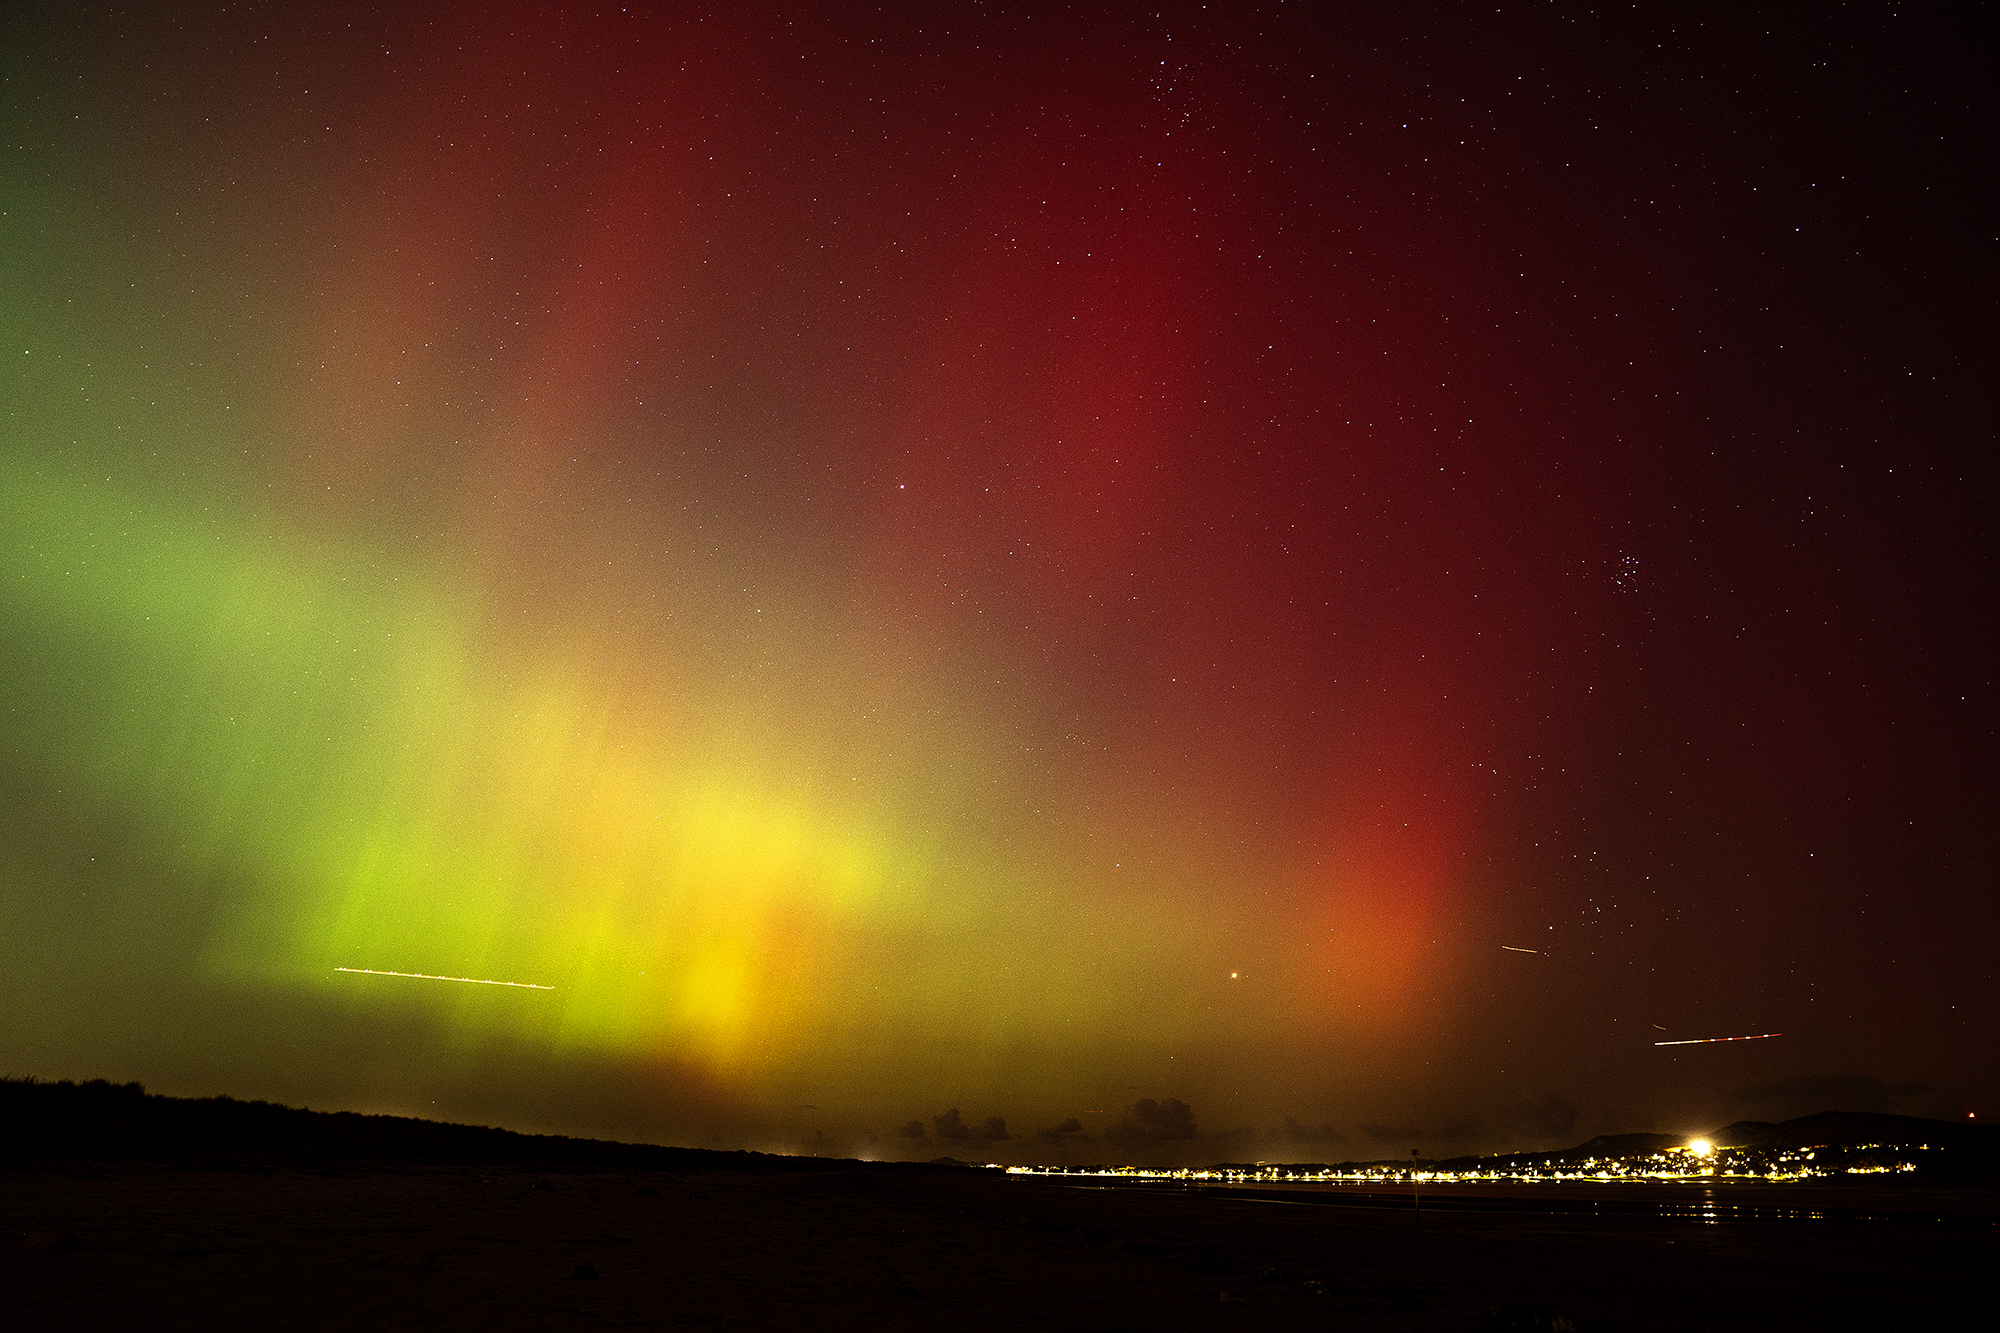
[(1953, 1147), (1629, 1145), (1832, 1128), (1947, 1147), (100, 1121)]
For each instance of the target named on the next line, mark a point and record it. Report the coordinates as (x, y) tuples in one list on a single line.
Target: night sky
[(970, 568)]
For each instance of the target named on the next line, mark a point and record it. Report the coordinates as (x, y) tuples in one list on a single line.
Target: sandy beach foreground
[(401, 1246)]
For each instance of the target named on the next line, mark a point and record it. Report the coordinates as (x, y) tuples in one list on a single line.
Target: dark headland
[(120, 1209)]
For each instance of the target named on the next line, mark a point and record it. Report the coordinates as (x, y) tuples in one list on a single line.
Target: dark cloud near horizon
[(1806, 1094), (1388, 1133), (913, 1130), (951, 1127), (1155, 1122), (1069, 1131), (1548, 1116), (1462, 1128), (1291, 1131)]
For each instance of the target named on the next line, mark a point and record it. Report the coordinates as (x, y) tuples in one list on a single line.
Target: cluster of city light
[(1698, 1160)]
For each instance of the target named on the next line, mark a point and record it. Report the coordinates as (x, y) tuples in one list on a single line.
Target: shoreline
[(400, 1243)]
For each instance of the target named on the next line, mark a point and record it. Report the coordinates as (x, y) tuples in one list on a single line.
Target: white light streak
[(1701, 1041), (1511, 949), (425, 976)]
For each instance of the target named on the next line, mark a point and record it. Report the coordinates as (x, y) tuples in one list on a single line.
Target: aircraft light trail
[(425, 976), (1703, 1041), (1511, 949)]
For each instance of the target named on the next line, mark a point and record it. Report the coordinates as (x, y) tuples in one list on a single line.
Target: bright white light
[(425, 976), (1700, 1147)]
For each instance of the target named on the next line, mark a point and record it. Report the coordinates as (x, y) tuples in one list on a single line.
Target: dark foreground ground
[(403, 1245)]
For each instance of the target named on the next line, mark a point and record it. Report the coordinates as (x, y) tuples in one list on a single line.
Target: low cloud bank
[(1548, 1116), (1069, 1131), (1808, 1094), (1293, 1132), (1155, 1122), (951, 1128), (1379, 1133)]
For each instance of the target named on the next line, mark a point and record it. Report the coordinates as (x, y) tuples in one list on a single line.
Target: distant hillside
[(1830, 1128), (1628, 1145), (100, 1121), (1967, 1143), (1954, 1147)]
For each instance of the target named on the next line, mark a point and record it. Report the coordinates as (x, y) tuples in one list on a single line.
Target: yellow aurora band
[(323, 724), (757, 853)]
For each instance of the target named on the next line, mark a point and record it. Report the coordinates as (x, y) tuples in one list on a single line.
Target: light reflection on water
[(1705, 1205)]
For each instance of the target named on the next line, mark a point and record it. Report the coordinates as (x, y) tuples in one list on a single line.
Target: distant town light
[(1701, 1147)]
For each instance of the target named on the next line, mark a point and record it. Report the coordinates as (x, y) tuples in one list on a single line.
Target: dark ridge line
[(99, 1120), (103, 1122)]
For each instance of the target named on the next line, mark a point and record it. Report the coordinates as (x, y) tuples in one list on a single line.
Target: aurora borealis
[(1014, 560)]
